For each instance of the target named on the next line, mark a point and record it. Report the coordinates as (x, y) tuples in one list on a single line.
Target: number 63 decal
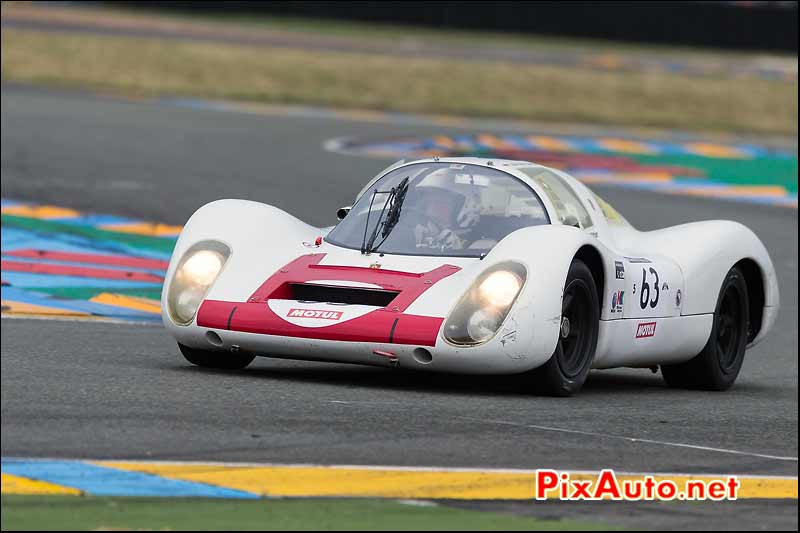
[(644, 295)]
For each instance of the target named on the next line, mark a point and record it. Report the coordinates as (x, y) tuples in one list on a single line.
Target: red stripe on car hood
[(384, 325), (408, 285)]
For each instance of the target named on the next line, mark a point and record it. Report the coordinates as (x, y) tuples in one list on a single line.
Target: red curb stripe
[(96, 259), (78, 271)]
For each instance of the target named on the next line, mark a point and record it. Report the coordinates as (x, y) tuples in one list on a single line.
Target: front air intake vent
[(339, 295)]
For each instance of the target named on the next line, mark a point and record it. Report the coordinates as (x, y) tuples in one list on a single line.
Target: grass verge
[(367, 33), (151, 67), (94, 513)]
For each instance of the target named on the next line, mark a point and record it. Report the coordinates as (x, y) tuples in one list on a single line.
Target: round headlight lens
[(482, 324), (193, 277), (187, 302), (201, 267), (477, 317), (499, 288)]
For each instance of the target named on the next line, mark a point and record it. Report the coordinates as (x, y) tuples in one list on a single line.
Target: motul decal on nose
[(314, 313)]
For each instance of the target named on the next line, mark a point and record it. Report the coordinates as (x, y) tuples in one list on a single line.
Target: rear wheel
[(718, 365), (211, 359), (566, 371)]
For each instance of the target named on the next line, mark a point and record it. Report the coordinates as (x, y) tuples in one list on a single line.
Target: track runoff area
[(248, 481), (62, 263)]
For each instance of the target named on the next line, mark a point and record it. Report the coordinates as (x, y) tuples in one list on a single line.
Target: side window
[(564, 199), (611, 214)]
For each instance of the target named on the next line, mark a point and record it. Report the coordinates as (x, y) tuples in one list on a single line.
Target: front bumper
[(511, 351), (380, 325)]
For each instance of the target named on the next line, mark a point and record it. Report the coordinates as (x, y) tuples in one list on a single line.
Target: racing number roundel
[(644, 294), (653, 292)]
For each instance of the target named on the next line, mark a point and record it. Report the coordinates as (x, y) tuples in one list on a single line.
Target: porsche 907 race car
[(468, 265)]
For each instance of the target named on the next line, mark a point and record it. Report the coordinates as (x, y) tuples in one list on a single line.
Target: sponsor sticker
[(645, 329), (638, 260), (314, 313), (616, 302), (620, 268)]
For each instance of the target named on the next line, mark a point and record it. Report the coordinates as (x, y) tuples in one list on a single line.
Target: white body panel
[(692, 259)]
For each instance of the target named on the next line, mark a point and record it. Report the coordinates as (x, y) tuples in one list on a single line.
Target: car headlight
[(197, 271), (480, 312)]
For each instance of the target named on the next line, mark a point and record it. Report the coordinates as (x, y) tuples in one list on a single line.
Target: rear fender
[(706, 251)]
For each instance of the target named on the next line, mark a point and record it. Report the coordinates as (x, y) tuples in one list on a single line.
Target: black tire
[(211, 359), (566, 371), (718, 365)]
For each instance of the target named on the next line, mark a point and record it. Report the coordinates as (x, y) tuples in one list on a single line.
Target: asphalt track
[(91, 390)]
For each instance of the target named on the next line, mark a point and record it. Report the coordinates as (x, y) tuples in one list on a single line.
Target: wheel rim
[(575, 331), (729, 331)]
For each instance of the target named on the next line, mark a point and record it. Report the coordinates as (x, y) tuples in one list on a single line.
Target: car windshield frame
[(406, 170)]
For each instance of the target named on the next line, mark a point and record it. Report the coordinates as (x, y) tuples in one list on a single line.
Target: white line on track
[(632, 439)]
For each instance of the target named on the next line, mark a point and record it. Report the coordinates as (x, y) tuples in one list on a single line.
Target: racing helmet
[(454, 194)]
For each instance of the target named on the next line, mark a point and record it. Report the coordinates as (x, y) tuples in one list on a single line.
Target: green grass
[(153, 67), (383, 33), (95, 513)]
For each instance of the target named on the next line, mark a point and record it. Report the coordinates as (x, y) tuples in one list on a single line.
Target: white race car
[(470, 265)]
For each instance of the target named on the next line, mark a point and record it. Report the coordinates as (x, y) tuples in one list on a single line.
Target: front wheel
[(221, 360), (566, 371), (718, 365)]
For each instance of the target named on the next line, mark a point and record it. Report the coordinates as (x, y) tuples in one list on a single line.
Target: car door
[(653, 287)]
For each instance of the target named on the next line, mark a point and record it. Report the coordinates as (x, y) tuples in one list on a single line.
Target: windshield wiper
[(394, 203)]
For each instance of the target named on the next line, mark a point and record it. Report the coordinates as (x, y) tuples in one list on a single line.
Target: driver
[(450, 211)]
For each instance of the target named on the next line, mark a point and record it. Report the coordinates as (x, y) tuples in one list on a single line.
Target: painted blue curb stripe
[(13, 238), (81, 218), (520, 142), (97, 220), (97, 246), (104, 481), (33, 298), (86, 264), (60, 240), (667, 188), (588, 144), (24, 280)]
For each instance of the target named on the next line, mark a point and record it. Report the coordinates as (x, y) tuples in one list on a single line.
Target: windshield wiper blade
[(366, 244), (394, 202), (393, 215)]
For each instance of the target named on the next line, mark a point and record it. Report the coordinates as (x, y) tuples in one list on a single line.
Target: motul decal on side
[(645, 329)]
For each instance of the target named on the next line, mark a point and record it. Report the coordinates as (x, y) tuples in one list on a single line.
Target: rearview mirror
[(342, 212)]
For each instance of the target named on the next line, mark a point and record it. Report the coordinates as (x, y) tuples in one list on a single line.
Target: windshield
[(448, 210)]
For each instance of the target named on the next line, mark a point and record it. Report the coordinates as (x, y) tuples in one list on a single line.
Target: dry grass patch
[(145, 66)]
